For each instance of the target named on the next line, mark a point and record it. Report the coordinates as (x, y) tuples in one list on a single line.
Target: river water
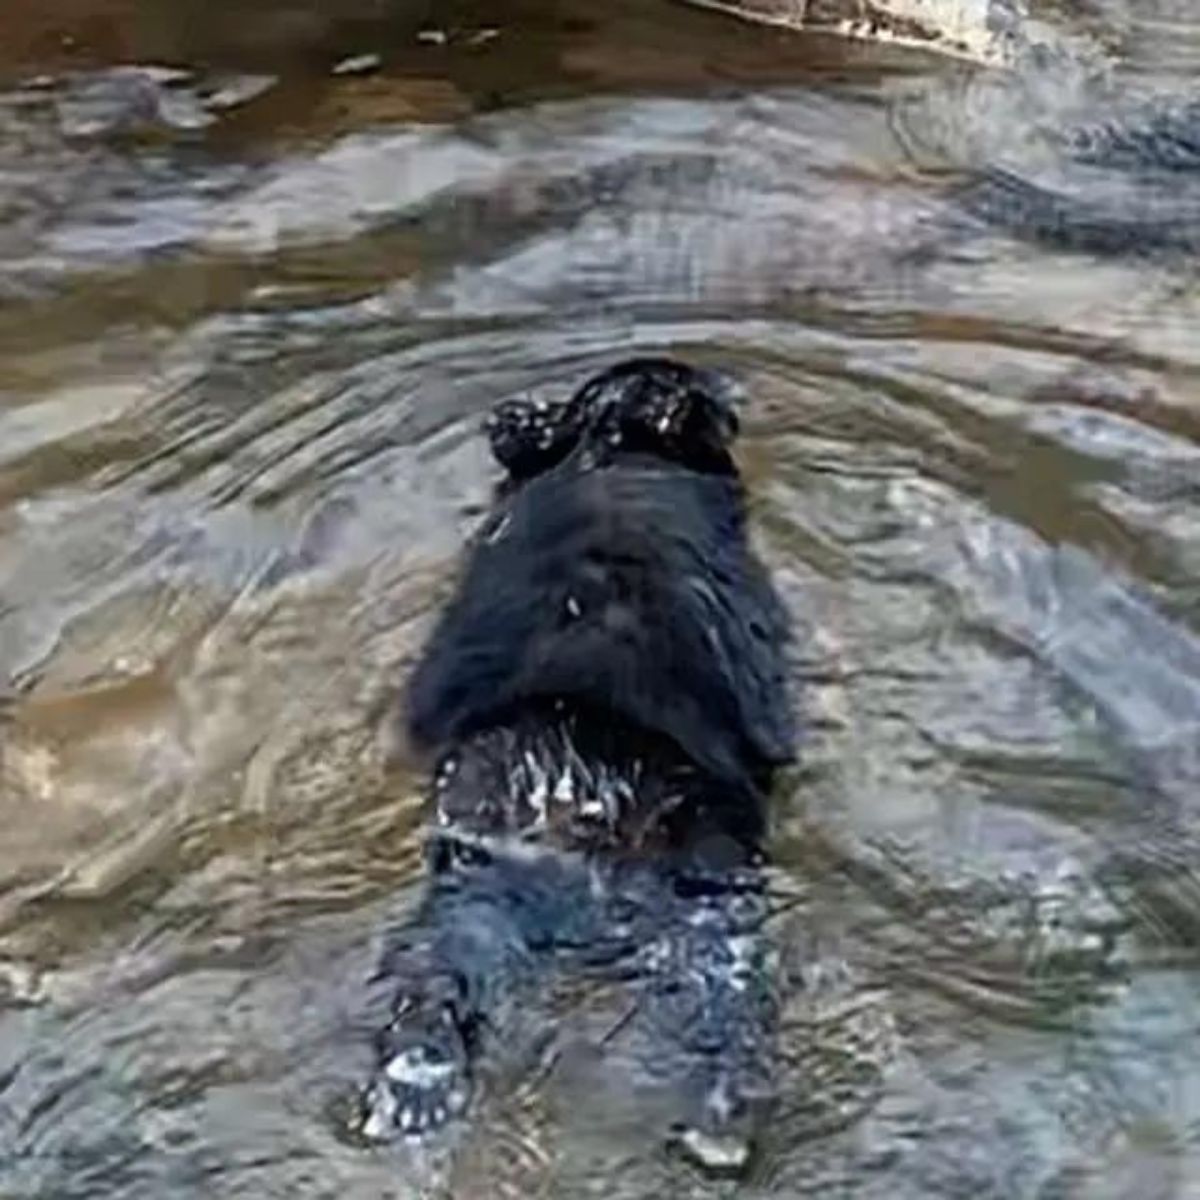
[(261, 274)]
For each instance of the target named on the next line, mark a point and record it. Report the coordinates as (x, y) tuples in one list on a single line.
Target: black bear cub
[(606, 702)]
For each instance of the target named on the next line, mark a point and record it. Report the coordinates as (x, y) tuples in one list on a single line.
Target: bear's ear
[(528, 437), (713, 413), (666, 408)]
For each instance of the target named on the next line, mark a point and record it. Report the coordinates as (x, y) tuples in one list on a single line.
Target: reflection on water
[(251, 314)]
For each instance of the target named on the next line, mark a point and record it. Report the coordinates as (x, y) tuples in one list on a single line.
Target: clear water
[(249, 320)]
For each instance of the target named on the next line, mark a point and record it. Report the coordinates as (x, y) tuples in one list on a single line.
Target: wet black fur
[(628, 588), (612, 629)]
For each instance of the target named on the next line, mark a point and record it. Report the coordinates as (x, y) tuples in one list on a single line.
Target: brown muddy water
[(256, 291)]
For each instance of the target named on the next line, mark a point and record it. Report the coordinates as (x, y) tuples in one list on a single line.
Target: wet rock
[(980, 30), (716, 1154), (233, 91), (21, 985), (131, 101), (127, 100), (358, 64)]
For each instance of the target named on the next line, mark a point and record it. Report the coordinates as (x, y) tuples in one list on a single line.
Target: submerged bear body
[(605, 702)]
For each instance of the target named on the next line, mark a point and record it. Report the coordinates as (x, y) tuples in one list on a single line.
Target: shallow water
[(249, 320)]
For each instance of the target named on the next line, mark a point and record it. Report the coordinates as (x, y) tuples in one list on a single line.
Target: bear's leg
[(712, 997), (486, 926)]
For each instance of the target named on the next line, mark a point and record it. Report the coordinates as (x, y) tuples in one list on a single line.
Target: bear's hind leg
[(713, 1000), (488, 926)]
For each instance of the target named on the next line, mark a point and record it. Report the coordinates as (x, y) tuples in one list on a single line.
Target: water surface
[(256, 291)]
